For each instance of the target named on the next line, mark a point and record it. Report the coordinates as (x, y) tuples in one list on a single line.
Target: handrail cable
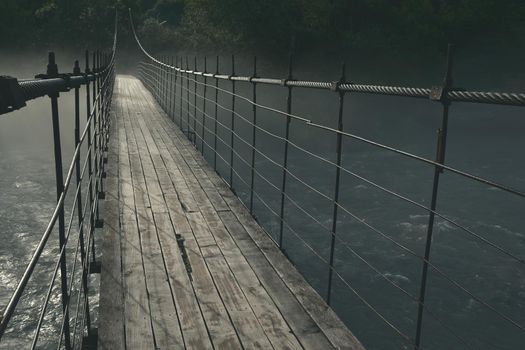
[(450, 280), (384, 189)]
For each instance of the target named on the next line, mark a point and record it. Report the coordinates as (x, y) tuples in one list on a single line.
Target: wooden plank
[(165, 323), (336, 331), (305, 328), (191, 320), (246, 323), (139, 334), (269, 312), (111, 334), (218, 321), (242, 291)]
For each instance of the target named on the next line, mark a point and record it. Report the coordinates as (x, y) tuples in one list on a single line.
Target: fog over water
[(483, 140)]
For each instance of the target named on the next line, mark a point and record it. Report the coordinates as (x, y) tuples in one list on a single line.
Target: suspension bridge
[(183, 261)]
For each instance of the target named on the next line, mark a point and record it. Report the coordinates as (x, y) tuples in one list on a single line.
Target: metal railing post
[(204, 104), (100, 106), (171, 93), (287, 136), (162, 83), (216, 115), (156, 85), (165, 85), (181, 94), (187, 99), (52, 71), (232, 129), (169, 82), (438, 94), (81, 238), (96, 111), (195, 103), (90, 145), (339, 145), (159, 82), (254, 131)]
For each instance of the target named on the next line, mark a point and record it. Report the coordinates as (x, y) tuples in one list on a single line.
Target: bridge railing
[(84, 180), (185, 94)]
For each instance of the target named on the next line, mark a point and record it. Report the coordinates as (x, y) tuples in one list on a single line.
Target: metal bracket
[(437, 93), (11, 95)]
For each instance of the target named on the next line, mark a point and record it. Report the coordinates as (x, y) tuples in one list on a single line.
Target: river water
[(484, 140)]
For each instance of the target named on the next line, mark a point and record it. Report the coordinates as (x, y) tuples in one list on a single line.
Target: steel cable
[(450, 280), (384, 189)]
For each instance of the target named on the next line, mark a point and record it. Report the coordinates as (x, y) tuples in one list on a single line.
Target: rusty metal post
[(438, 94), (204, 104), (287, 136), (195, 103), (216, 115), (187, 99), (254, 132), (181, 96), (232, 124), (339, 146)]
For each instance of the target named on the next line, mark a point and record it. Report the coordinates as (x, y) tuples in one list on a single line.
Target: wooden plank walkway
[(223, 284)]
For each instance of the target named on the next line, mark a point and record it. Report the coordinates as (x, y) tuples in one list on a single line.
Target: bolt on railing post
[(440, 158), (195, 103), (254, 132), (287, 136), (216, 115), (52, 71), (76, 71), (232, 124), (339, 145), (204, 104)]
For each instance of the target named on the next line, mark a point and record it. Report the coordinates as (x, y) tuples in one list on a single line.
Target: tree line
[(259, 25)]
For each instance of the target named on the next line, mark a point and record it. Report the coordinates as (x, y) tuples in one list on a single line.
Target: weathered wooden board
[(184, 264)]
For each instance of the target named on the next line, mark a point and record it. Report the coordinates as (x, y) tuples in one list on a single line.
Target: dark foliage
[(256, 24)]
